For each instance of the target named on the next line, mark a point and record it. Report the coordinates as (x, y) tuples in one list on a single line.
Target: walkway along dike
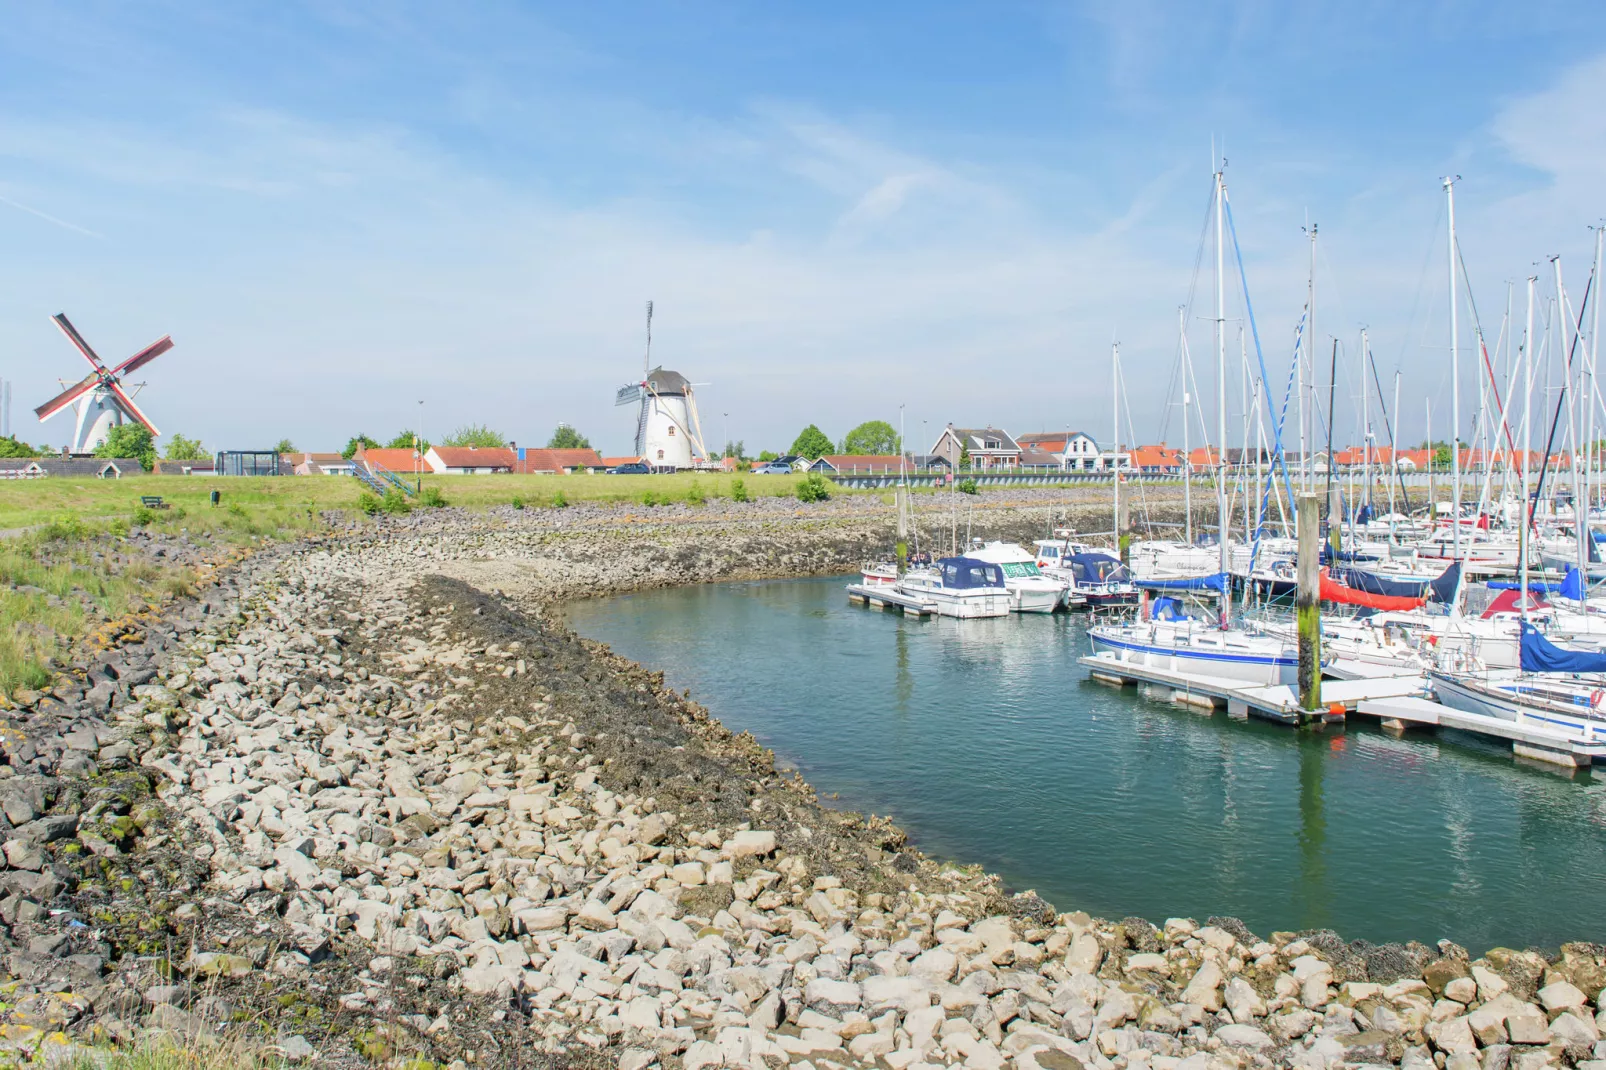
[(364, 802)]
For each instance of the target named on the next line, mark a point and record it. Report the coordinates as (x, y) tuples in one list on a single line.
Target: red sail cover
[(1334, 591)]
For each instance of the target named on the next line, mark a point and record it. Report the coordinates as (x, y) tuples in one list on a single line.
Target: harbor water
[(986, 741)]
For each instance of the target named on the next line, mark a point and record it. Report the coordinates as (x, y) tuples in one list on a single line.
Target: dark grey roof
[(665, 381), (74, 466), (977, 434)]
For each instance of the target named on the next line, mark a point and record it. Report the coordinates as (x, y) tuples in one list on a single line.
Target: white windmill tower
[(668, 431), (102, 403)]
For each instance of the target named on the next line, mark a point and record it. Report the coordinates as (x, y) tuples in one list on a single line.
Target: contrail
[(49, 218)]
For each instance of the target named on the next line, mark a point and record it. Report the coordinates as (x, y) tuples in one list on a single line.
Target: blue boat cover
[(1097, 568), (1571, 587), (959, 572), (1215, 582), (1541, 655), (1443, 588), (1166, 608), (1372, 583)]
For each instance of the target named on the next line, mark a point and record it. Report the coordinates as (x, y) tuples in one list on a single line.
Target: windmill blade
[(78, 340), (145, 356), (127, 404), (68, 396)]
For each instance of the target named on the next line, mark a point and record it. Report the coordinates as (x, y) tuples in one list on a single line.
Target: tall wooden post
[(1123, 541), (1335, 522), (902, 495), (1308, 605)]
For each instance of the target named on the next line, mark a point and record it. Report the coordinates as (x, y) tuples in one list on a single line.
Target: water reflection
[(986, 740)]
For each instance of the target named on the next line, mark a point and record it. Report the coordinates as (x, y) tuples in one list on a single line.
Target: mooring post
[(1123, 541), (1308, 605), (902, 495), (1335, 522)]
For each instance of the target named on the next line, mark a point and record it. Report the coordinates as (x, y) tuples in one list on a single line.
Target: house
[(1204, 457), (868, 464), (393, 460), (615, 462), (925, 462), (319, 464), (470, 460), (559, 462), (205, 467), (1159, 459), (99, 467), (986, 447), (1075, 450), (1039, 459)]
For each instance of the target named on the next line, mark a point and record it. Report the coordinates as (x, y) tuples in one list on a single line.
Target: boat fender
[(1597, 698)]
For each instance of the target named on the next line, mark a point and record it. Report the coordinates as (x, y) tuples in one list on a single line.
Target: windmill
[(101, 401), (668, 431)]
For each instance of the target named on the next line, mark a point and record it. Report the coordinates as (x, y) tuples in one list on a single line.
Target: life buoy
[(1597, 697)]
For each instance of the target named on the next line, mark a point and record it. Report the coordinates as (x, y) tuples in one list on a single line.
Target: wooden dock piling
[(1307, 606)]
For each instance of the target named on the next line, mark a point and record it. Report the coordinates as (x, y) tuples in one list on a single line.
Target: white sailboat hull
[(1228, 655)]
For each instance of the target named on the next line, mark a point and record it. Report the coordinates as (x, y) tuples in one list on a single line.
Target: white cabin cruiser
[(1030, 591), (959, 587), (1184, 644)]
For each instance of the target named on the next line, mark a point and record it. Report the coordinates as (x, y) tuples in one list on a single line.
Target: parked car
[(773, 468), (635, 468)]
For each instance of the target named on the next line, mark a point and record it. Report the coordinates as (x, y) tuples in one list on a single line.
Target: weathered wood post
[(1123, 541), (1335, 521), (1308, 605)]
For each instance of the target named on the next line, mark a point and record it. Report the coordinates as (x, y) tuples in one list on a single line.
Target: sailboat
[(1180, 643)]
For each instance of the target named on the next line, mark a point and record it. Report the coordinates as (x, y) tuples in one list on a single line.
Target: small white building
[(469, 460)]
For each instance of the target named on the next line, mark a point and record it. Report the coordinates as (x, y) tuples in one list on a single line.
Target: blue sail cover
[(1571, 587), (1443, 588), (1541, 655), (1214, 582), (959, 572), (1372, 583)]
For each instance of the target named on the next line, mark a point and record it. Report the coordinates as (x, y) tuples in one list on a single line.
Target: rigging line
[(1394, 447), (1421, 285), (1282, 419), (1561, 395), (1254, 331), (1477, 329)]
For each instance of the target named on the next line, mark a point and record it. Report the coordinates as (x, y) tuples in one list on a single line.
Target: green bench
[(153, 501)]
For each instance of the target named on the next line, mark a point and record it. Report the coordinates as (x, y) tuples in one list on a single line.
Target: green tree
[(872, 438), (10, 446), (180, 448), (1441, 457), (567, 438), (359, 441), (129, 440), (964, 457), (768, 455), (812, 443), (737, 449), (284, 446), (405, 440), (477, 435)]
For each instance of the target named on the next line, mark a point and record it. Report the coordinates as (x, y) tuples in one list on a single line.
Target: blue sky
[(341, 210)]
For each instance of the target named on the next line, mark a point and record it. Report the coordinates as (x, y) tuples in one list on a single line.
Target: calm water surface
[(984, 739)]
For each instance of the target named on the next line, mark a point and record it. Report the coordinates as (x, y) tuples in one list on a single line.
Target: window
[(671, 430), (660, 455), (1015, 570)]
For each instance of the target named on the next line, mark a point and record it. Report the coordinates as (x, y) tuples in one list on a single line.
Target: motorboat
[(1553, 690), (1098, 579), (1030, 591), (1177, 643), (959, 587), (883, 574)]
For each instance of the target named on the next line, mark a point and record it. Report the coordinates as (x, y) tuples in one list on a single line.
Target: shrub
[(694, 493), (739, 491), (236, 509), (559, 500), (65, 529), (143, 516), (395, 503), (518, 503), (813, 488), (432, 497), (369, 504), (966, 486), (649, 498)]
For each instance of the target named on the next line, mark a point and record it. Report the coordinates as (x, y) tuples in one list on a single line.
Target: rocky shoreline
[(362, 802)]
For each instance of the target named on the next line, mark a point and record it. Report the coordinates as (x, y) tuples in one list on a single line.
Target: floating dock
[(884, 596), (1399, 701)]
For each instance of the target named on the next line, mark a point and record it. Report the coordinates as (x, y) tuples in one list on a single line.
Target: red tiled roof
[(615, 462), (471, 457), (1204, 457), (395, 460), (557, 460), (864, 462), (1160, 456)]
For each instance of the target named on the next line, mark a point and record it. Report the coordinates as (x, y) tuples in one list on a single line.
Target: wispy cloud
[(47, 217)]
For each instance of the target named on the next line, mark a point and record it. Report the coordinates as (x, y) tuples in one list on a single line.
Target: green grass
[(30, 502)]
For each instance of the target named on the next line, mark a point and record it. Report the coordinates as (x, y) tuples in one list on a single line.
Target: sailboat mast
[(1221, 375), (1594, 357), (1115, 442), (1455, 382), (1527, 408), (1580, 507), (1307, 383), (1366, 424), (1187, 442), (1394, 445)]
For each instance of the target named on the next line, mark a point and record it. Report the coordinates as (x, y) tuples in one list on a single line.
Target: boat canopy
[(1541, 655), (1097, 568), (1372, 583), (961, 572), (1215, 582)]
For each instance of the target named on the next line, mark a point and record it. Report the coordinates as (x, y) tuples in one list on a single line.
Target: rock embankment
[(368, 812)]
